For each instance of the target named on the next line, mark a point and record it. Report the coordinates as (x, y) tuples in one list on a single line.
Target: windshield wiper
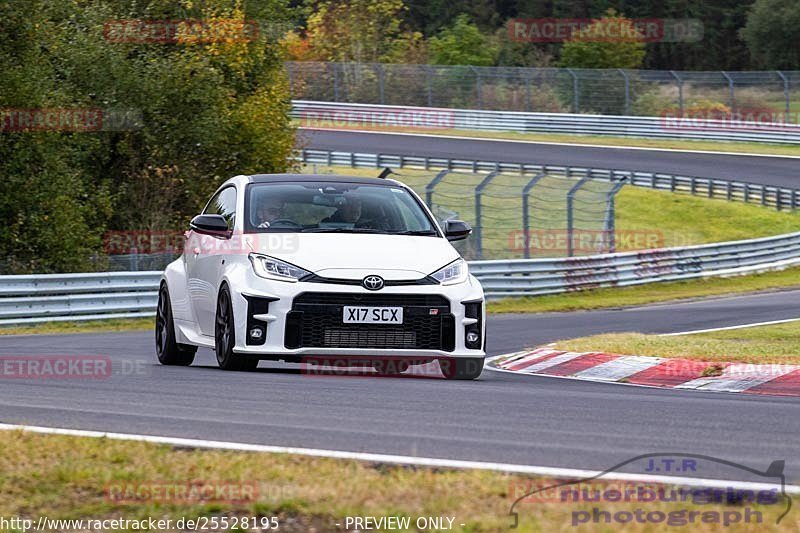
[(342, 230), (415, 232)]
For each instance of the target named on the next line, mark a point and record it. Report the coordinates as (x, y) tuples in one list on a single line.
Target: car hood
[(353, 256)]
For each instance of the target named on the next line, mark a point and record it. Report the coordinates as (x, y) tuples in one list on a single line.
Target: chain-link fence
[(757, 95), (517, 216)]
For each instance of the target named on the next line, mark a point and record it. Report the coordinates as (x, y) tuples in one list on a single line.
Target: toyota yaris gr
[(289, 267)]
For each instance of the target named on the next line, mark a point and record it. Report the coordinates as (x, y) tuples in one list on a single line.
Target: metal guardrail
[(765, 195), (58, 297), (333, 114)]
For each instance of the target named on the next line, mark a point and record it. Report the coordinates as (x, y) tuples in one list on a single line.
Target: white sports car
[(288, 267)]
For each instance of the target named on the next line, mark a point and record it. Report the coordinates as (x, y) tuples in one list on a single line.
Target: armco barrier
[(343, 115), (52, 297), (766, 195)]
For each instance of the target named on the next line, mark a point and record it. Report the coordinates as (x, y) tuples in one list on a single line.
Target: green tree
[(463, 43), (608, 42), (204, 110), (360, 31), (772, 34)]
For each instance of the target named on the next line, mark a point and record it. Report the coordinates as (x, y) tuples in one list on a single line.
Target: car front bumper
[(270, 306)]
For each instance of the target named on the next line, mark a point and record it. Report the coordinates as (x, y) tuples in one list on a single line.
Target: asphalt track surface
[(505, 418), (501, 417), (781, 171)]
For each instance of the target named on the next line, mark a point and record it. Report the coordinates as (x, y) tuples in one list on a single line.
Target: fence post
[(133, 259), (381, 83), (680, 90), (527, 91), (478, 230), (335, 81), (429, 187), (627, 91), (610, 225), (428, 84), (575, 92), (477, 86), (732, 91), (570, 205), (526, 224), (785, 93)]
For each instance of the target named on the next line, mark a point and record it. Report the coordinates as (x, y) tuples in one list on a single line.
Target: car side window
[(223, 203)]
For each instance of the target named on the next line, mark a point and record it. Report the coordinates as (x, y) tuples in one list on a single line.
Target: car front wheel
[(169, 352), (225, 336)]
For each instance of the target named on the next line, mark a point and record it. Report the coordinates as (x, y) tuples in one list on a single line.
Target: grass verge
[(614, 297), (90, 326), (602, 140), (80, 478), (777, 343)]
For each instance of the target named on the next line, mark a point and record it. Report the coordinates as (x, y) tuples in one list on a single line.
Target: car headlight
[(271, 268), (455, 272)]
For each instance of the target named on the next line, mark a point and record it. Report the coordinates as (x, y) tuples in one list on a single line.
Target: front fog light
[(472, 337)]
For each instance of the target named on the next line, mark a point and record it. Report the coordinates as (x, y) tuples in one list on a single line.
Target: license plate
[(372, 315)]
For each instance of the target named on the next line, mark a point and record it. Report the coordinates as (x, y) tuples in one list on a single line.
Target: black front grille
[(316, 322)]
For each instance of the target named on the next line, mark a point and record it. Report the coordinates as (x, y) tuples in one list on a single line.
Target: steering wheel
[(285, 222)]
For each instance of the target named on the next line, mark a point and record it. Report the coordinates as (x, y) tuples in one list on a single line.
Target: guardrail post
[(429, 187), (575, 91), (570, 217), (627, 91), (785, 93), (680, 90), (526, 224), (478, 230)]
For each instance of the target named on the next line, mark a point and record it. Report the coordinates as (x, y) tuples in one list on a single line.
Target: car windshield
[(334, 207)]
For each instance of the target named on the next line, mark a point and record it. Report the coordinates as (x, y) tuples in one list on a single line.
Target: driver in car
[(349, 212), (269, 211)]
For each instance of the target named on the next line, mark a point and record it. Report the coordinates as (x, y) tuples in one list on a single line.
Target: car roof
[(332, 178)]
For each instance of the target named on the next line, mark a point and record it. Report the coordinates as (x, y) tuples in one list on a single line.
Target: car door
[(204, 261)]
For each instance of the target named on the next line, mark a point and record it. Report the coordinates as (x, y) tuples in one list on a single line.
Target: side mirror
[(214, 225), (456, 230)]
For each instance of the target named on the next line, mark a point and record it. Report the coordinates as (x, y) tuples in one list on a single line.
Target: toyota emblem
[(373, 283)]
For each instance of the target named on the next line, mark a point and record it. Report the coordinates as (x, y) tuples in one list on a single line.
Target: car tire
[(462, 367), (169, 352), (225, 336)]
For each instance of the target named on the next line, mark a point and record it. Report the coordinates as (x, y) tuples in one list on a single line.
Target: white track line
[(406, 460), (741, 326), (551, 143)]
